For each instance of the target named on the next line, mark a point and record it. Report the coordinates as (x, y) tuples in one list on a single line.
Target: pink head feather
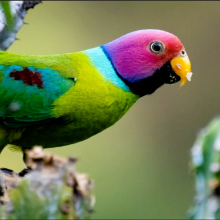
[(132, 58)]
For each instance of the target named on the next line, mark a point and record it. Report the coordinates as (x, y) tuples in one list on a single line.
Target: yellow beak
[(182, 67)]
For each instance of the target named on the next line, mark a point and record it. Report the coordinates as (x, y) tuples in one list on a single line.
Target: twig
[(10, 24)]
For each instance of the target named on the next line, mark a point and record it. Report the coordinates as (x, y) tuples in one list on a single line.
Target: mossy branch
[(52, 189), (12, 14)]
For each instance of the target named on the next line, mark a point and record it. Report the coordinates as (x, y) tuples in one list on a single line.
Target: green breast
[(93, 104)]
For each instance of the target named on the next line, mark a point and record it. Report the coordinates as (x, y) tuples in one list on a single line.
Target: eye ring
[(183, 53), (157, 47)]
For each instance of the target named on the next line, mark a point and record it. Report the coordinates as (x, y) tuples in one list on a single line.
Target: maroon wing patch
[(28, 77)]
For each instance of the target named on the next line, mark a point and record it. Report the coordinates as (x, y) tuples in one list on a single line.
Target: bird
[(62, 99)]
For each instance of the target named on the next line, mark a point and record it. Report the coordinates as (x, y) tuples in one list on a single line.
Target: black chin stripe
[(150, 84), (145, 86)]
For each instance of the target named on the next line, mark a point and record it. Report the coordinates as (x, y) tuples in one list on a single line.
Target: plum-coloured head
[(146, 59)]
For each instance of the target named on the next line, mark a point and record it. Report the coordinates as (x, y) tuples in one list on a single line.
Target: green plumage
[(73, 102)]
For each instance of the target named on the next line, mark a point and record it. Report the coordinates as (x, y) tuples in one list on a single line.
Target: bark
[(50, 189)]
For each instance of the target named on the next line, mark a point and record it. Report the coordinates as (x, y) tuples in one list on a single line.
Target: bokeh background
[(141, 164)]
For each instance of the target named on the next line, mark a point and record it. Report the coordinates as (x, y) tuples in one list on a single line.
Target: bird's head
[(147, 59)]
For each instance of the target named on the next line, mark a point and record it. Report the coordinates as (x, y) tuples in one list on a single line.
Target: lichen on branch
[(12, 14), (50, 189)]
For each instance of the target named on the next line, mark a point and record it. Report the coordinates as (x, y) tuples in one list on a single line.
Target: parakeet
[(57, 100)]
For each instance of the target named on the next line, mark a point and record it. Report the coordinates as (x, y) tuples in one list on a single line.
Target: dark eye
[(157, 47)]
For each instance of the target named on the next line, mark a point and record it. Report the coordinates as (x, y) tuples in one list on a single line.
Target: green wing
[(29, 85)]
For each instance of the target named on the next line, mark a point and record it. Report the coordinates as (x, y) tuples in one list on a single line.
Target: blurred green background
[(141, 164)]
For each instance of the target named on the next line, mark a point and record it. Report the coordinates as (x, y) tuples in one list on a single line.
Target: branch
[(12, 14), (52, 189)]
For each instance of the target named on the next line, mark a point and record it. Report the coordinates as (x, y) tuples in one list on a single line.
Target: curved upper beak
[(182, 67)]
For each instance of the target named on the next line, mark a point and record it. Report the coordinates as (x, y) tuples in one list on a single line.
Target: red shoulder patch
[(28, 77)]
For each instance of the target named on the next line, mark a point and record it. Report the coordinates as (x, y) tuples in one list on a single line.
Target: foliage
[(5, 5), (206, 167)]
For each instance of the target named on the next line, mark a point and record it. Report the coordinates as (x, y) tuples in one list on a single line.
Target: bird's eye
[(156, 47)]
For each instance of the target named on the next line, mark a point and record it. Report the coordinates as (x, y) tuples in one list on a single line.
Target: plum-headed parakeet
[(58, 100)]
